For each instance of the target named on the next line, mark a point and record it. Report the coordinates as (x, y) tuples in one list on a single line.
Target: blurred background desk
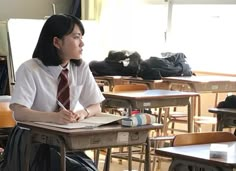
[(203, 84), (152, 84), (151, 99), (111, 81)]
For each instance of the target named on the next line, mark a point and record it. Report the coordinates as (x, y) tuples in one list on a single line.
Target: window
[(202, 29), (206, 34)]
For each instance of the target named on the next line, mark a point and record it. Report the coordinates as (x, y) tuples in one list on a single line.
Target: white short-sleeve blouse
[(36, 86)]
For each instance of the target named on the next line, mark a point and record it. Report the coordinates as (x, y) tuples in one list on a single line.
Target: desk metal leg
[(219, 125), (191, 113), (130, 147), (147, 156), (96, 157), (130, 158), (107, 160)]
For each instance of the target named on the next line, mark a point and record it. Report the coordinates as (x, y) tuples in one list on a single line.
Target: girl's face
[(70, 46)]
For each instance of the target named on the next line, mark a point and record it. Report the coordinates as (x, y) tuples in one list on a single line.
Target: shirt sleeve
[(25, 89), (91, 93)]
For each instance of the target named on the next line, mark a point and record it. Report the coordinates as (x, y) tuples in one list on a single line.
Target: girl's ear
[(56, 42)]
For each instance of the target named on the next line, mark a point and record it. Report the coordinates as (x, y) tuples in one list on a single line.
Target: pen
[(61, 105)]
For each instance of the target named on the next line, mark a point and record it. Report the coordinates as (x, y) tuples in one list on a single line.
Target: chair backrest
[(6, 116), (202, 138), (129, 87)]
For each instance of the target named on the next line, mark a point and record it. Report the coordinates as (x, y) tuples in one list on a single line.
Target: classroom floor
[(116, 166)]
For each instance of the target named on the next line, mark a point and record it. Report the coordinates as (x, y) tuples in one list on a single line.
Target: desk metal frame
[(84, 139)]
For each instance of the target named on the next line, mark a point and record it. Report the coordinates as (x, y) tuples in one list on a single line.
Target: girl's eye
[(78, 37)]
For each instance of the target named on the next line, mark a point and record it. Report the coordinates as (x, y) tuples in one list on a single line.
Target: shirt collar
[(54, 70)]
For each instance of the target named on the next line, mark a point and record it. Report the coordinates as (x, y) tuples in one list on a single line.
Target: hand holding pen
[(68, 115)]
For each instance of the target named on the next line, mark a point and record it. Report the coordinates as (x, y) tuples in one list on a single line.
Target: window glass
[(133, 25), (206, 34)]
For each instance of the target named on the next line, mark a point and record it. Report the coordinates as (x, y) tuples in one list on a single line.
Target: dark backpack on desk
[(123, 63), (171, 64), (229, 102)]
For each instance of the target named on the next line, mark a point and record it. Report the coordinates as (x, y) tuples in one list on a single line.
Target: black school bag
[(171, 64), (123, 63)]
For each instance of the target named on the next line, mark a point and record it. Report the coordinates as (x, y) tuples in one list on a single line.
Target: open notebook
[(91, 122)]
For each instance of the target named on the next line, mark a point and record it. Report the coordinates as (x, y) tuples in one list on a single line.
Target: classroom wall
[(33, 9), (30, 9)]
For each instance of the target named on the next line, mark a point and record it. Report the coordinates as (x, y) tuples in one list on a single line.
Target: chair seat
[(6, 116), (205, 120), (178, 115)]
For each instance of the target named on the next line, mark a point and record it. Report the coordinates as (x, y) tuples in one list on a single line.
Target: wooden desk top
[(83, 131), (200, 153), (109, 77), (201, 79), (204, 84), (149, 94)]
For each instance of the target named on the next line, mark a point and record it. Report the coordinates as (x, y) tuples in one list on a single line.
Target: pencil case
[(138, 119)]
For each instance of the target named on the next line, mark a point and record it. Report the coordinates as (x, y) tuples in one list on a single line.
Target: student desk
[(152, 84), (95, 138), (111, 81), (226, 117), (199, 155), (151, 99), (204, 84)]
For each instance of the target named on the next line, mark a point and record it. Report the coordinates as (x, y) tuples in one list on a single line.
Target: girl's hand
[(80, 115), (65, 117)]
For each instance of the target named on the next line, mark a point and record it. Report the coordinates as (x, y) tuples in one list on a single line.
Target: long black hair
[(57, 25)]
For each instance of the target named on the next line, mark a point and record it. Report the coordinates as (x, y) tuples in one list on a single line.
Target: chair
[(129, 87), (6, 121), (181, 117), (124, 88), (202, 138)]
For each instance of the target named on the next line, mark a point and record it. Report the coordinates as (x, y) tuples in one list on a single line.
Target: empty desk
[(151, 99), (199, 155)]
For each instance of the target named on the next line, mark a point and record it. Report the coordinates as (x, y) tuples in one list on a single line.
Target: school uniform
[(36, 88)]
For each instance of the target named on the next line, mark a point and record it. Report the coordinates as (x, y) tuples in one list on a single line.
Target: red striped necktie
[(63, 91)]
